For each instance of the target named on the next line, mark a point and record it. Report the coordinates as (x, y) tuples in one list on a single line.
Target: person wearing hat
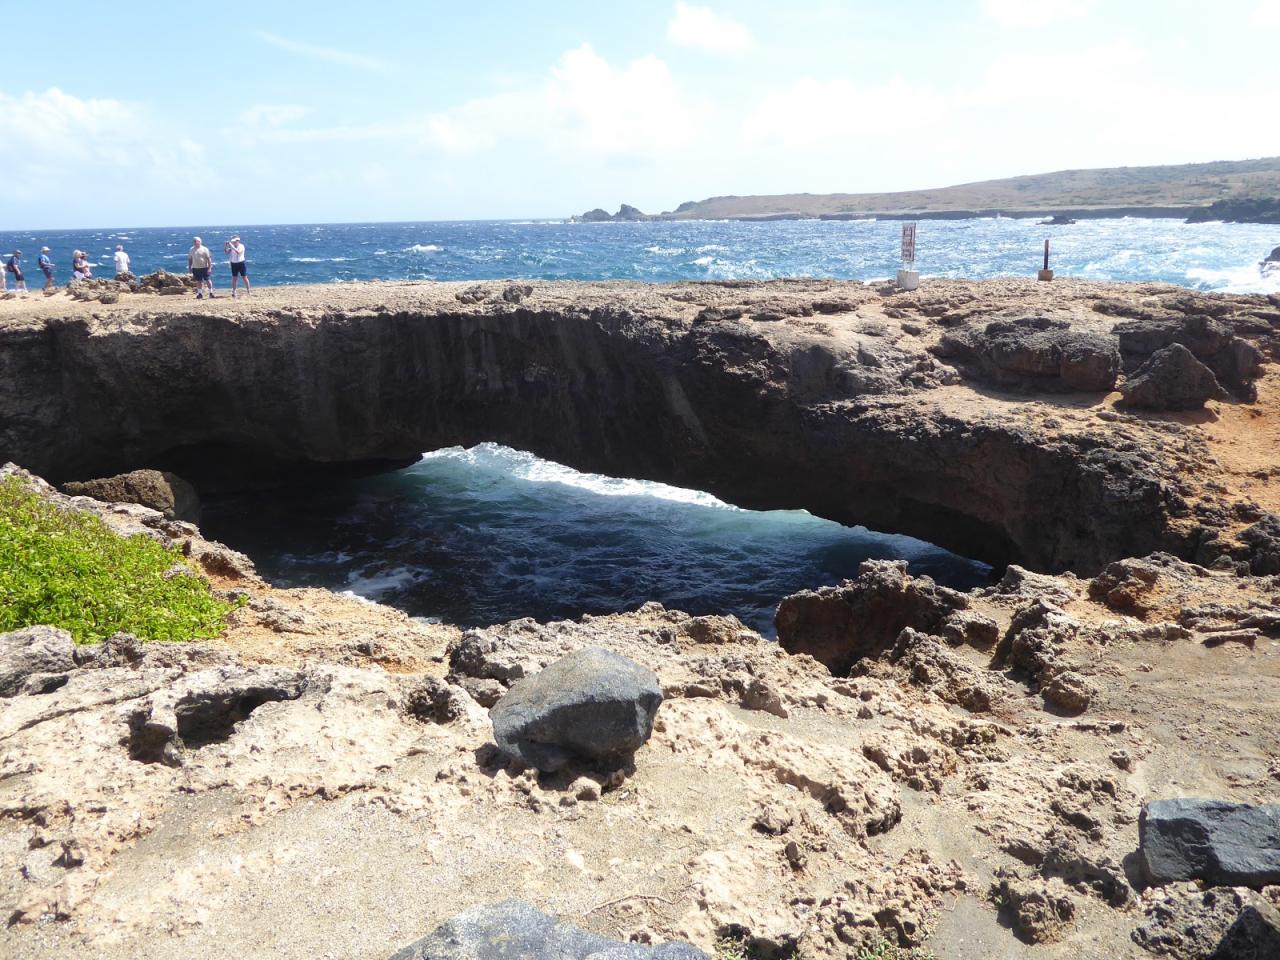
[(13, 265), (122, 260), (234, 250), (45, 262)]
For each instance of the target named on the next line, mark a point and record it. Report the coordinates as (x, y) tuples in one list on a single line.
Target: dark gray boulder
[(33, 652), (592, 705), (1173, 379), (1220, 843), (513, 930)]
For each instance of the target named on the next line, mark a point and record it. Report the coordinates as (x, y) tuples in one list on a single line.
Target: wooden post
[(1046, 273)]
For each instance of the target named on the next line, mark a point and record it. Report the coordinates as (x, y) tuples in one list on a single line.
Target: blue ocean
[(1208, 256), (490, 534)]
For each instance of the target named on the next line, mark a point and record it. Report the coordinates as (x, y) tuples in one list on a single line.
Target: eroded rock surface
[(815, 394)]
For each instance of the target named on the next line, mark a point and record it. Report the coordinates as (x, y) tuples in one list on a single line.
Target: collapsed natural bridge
[(979, 416)]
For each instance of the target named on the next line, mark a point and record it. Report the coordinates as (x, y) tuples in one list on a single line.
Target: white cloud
[(583, 108), (327, 54), (1266, 15), (272, 115), (702, 27), (1033, 14), (57, 142)]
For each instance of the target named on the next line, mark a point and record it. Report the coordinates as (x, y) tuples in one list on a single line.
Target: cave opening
[(487, 534)]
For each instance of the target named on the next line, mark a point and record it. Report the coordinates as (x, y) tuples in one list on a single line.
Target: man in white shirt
[(122, 260), (234, 250), (200, 262)]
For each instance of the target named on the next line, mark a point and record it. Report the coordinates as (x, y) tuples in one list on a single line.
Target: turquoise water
[(490, 534), (1209, 256)]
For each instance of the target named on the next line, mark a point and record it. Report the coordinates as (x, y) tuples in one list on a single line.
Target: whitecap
[(526, 466), (423, 248), (704, 261), (1249, 279), (664, 251), (320, 259)]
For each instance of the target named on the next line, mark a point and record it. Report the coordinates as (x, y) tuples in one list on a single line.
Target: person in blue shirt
[(46, 267), (13, 265)]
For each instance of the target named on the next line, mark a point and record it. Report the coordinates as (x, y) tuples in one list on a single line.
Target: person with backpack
[(13, 265), (45, 262)]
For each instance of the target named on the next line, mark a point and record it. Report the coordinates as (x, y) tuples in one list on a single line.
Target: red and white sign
[(908, 243)]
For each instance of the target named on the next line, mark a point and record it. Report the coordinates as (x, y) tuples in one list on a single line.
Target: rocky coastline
[(909, 768)]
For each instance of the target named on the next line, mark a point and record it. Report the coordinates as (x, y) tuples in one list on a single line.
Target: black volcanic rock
[(1220, 843), (514, 930), (594, 216), (1244, 210)]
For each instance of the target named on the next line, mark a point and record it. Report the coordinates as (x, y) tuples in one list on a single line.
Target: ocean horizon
[(1205, 256)]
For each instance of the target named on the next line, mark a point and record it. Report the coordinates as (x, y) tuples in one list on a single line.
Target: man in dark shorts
[(234, 250), (13, 265), (200, 262)]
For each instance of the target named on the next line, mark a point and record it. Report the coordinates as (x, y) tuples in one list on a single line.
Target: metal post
[(1046, 273)]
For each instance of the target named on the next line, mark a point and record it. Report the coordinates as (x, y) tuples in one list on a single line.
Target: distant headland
[(1241, 191)]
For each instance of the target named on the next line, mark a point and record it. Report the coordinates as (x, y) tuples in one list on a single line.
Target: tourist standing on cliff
[(81, 269), (13, 265), (122, 260), (200, 262), (45, 262), (234, 249)]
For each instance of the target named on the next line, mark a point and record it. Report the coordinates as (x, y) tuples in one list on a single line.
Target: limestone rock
[(32, 652), (1234, 362), (514, 930), (1069, 691), (163, 491), (1042, 909), (1220, 843), (1183, 922), (837, 626), (591, 705), (1173, 379), (1036, 353)]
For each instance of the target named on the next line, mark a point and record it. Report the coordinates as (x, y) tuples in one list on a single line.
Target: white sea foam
[(320, 259), (526, 466), (664, 251), (1250, 279), (705, 261), (423, 248)]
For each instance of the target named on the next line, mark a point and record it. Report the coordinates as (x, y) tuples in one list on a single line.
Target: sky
[(147, 114)]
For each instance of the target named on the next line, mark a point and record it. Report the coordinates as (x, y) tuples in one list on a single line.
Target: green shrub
[(69, 569)]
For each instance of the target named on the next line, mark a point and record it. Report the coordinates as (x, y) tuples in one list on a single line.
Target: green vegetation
[(884, 950), (731, 948), (68, 569)]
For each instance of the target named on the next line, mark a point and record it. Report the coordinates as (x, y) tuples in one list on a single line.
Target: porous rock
[(1219, 843), (1183, 922), (31, 652), (1173, 379), (159, 490), (514, 930), (1235, 362), (1036, 353), (592, 705), (839, 625)]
